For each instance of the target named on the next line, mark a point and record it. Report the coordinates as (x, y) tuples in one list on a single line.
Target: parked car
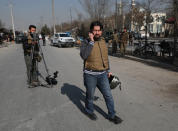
[(108, 35), (79, 40), (62, 40), (142, 34), (1, 39), (136, 36), (19, 38)]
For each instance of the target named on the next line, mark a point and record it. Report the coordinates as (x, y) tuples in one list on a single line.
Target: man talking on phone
[(94, 52)]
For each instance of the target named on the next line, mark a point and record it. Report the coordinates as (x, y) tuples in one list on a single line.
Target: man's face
[(97, 32), (33, 30)]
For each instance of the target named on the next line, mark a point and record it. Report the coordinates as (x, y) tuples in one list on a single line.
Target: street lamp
[(71, 18), (54, 28), (12, 18), (116, 10), (132, 8), (120, 8)]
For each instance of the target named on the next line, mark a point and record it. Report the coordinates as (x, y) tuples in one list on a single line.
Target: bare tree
[(175, 11), (1, 24), (137, 17), (171, 9), (96, 9)]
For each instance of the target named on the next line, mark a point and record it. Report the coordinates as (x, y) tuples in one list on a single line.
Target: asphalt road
[(148, 101)]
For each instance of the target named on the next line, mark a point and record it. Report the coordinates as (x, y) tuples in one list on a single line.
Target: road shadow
[(77, 96)]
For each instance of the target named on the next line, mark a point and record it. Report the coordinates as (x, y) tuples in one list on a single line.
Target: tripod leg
[(46, 68), (34, 71), (40, 75), (41, 52), (30, 71), (30, 65)]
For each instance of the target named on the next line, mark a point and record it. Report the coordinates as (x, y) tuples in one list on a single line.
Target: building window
[(159, 28), (151, 28)]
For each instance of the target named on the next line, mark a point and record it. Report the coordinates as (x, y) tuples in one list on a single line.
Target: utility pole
[(71, 17), (121, 14), (132, 10), (12, 18), (116, 16), (54, 25), (146, 31), (123, 22), (120, 8), (175, 52)]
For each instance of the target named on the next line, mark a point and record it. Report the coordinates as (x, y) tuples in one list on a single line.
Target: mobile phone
[(90, 32)]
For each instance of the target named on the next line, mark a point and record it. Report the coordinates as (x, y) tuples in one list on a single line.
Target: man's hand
[(109, 74), (91, 36)]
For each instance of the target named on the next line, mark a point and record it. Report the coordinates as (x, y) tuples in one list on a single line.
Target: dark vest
[(98, 59)]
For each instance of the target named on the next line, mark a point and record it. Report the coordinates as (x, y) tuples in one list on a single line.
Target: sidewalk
[(5, 44), (156, 61)]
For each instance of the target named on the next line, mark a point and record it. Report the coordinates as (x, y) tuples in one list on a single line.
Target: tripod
[(34, 65)]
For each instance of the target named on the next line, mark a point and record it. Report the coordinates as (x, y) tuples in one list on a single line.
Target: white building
[(157, 26)]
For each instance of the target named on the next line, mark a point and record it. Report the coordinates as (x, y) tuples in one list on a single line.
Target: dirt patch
[(173, 89), (169, 91)]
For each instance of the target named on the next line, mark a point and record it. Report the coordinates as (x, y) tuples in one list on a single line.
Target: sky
[(38, 12)]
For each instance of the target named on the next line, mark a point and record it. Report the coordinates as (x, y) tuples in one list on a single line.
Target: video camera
[(52, 80), (35, 36)]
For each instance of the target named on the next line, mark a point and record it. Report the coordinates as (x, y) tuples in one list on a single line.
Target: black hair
[(32, 26), (96, 23)]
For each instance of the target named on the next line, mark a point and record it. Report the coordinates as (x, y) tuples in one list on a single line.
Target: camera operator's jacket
[(95, 55), (27, 44), (124, 37), (115, 38)]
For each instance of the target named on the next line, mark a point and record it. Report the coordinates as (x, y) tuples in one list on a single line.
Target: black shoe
[(34, 84), (116, 120), (92, 116), (31, 86)]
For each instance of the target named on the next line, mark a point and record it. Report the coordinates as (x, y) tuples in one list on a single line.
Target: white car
[(142, 34), (62, 40)]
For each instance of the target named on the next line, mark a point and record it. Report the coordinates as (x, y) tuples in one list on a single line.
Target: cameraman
[(31, 56)]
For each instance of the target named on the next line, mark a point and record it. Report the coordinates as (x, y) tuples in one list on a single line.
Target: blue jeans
[(100, 81)]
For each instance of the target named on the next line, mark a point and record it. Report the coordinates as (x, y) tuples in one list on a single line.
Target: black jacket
[(28, 46)]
